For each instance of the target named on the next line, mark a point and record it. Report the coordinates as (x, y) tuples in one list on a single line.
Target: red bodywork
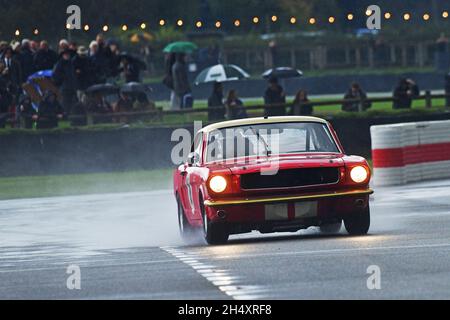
[(248, 210)]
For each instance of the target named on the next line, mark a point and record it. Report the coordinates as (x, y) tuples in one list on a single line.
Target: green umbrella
[(180, 47)]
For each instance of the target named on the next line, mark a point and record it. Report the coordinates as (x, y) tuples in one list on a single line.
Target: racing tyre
[(331, 228), (186, 230), (214, 233), (358, 224)]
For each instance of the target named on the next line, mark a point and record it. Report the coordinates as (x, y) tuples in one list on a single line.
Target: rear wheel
[(331, 228), (214, 233), (186, 230), (358, 224)]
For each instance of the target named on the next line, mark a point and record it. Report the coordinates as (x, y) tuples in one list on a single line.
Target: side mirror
[(193, 158)]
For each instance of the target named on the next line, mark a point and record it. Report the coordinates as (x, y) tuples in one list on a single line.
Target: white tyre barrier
[(410, 152)]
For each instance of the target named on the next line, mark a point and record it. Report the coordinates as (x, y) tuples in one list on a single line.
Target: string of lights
[(218, 24)]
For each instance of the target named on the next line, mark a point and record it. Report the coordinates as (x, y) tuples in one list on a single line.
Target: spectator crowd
[(72, 68), (355, 100)]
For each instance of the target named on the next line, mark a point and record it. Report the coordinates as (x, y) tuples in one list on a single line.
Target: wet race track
[(127, 247)]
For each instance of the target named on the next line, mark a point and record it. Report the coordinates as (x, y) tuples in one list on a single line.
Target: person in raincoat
[(45, 58), (131, 70), (49, 112), (26, 113), (65, 78), (6, 98), (84, 71), (97, 104), (274, 95), (170, 60), (124, 104), (404, 93), (26, 58), (215, 103), (356, 92), (142, 103), (12, 73), (301, 105), (181, 82), (235, 107)]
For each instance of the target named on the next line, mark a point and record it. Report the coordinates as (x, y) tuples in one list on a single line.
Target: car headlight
[(359, 174), (218, 184)]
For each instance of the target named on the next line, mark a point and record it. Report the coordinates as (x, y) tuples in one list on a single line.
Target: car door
[(192, 180)]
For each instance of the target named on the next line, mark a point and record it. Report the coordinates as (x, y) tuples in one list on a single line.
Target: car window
[(277, 138)]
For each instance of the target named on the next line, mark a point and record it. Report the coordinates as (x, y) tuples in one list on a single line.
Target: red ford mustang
[(277, 174)]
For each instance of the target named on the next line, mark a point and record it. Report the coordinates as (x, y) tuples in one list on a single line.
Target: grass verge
[(83, 184), (80, 184)]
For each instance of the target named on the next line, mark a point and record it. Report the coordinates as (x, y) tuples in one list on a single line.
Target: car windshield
[(269, 139)]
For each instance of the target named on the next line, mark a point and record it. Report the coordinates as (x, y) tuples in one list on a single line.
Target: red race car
[(277, 174)]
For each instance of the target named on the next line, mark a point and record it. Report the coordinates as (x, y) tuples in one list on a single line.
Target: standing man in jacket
[(12, 73), (26, 59), (181, 82), (273, 96), (65, 77), (45, 58)]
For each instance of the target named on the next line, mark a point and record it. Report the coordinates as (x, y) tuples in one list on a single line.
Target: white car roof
[(261, 120)]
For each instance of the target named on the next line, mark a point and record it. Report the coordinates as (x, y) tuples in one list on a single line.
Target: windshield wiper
[(260, 138)]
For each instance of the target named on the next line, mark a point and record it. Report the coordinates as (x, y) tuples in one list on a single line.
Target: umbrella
[(221, 73), (40, 75), (180, 47), (135, 88), (37, 84), (282, 73), (133, 59), (105, 89)]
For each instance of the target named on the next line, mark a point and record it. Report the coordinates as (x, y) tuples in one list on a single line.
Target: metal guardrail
[(158, 114)]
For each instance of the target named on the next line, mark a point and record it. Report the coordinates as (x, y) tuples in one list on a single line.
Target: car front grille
[(291, 178)]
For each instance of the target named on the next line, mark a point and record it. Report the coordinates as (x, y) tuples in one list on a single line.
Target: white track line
[(220, 278)]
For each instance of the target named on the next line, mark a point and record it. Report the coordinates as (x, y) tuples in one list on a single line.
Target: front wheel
[(214, 233), (358, 224)]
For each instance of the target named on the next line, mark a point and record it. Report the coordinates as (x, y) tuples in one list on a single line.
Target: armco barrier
[(410, 152)]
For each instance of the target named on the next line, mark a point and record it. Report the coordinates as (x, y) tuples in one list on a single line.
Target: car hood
[(280, 162)]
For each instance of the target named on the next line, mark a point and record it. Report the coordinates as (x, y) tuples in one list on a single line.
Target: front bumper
[(277, 199), (306, 209)]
